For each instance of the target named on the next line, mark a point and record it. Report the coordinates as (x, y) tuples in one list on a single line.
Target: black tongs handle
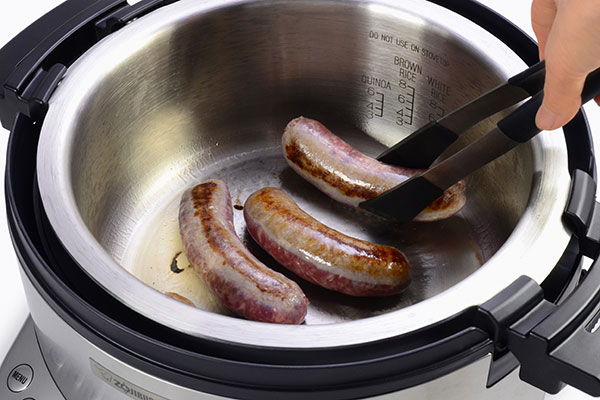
[(404, 201), (516, 128), (423, 146), (520, 124), (532, 79)]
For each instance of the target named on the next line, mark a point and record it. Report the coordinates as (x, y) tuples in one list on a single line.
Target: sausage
[(350, 177), (320, 254), (180, 298), (237, 278)]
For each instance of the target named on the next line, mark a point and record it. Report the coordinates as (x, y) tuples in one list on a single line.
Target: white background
[(15, 16)]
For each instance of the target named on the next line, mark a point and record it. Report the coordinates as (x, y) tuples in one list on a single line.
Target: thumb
[(562, 96)]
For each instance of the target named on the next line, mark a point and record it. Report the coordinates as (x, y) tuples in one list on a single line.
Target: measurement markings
[(377, 104), (411, 104), (404, 115), (438, 110)]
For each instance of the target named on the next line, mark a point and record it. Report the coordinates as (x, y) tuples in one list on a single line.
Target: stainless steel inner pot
[(199, 90)]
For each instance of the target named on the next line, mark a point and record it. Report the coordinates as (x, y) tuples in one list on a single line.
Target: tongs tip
[(405, 201), (420, 148)]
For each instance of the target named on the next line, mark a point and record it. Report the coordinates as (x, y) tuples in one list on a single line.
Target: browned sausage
[(350, 177), (320, 254), (239, 280)]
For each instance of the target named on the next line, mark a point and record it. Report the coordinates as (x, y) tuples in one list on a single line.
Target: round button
[(20, 378)]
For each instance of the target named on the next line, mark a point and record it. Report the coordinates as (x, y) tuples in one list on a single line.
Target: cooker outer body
[(71, 358), (218, 368), (135, 348)]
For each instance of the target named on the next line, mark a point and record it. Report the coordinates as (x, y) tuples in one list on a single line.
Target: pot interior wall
[(210, 98)]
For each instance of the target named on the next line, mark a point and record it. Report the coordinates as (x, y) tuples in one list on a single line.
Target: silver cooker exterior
[(67, 366)]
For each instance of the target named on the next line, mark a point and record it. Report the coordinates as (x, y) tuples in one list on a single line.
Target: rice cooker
[(115, 109)]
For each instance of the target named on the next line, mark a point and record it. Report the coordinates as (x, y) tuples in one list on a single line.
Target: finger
[(571, 53), (543, 13), (562, 99), (564, 77)]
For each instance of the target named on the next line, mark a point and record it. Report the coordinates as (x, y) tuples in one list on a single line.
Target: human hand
[(568, 33)]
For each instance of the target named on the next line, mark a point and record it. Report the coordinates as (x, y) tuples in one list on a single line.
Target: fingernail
[(545, 118)]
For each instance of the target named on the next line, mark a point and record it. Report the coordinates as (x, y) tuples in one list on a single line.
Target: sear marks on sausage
[(237, 278), (320, 254), (350, 177)]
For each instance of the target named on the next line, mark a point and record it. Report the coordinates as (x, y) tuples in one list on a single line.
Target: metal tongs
[(403, 202)]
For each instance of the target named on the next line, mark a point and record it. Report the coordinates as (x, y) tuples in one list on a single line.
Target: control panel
[(23, 371)]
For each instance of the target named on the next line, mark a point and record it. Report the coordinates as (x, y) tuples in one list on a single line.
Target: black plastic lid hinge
[(497, 314), (124, 15), (516, 318), (582, 213), (34, 61), (33, 100), (557, 344), (532, 351)]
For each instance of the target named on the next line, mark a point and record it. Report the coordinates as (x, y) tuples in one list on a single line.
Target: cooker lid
[(533, 248)]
